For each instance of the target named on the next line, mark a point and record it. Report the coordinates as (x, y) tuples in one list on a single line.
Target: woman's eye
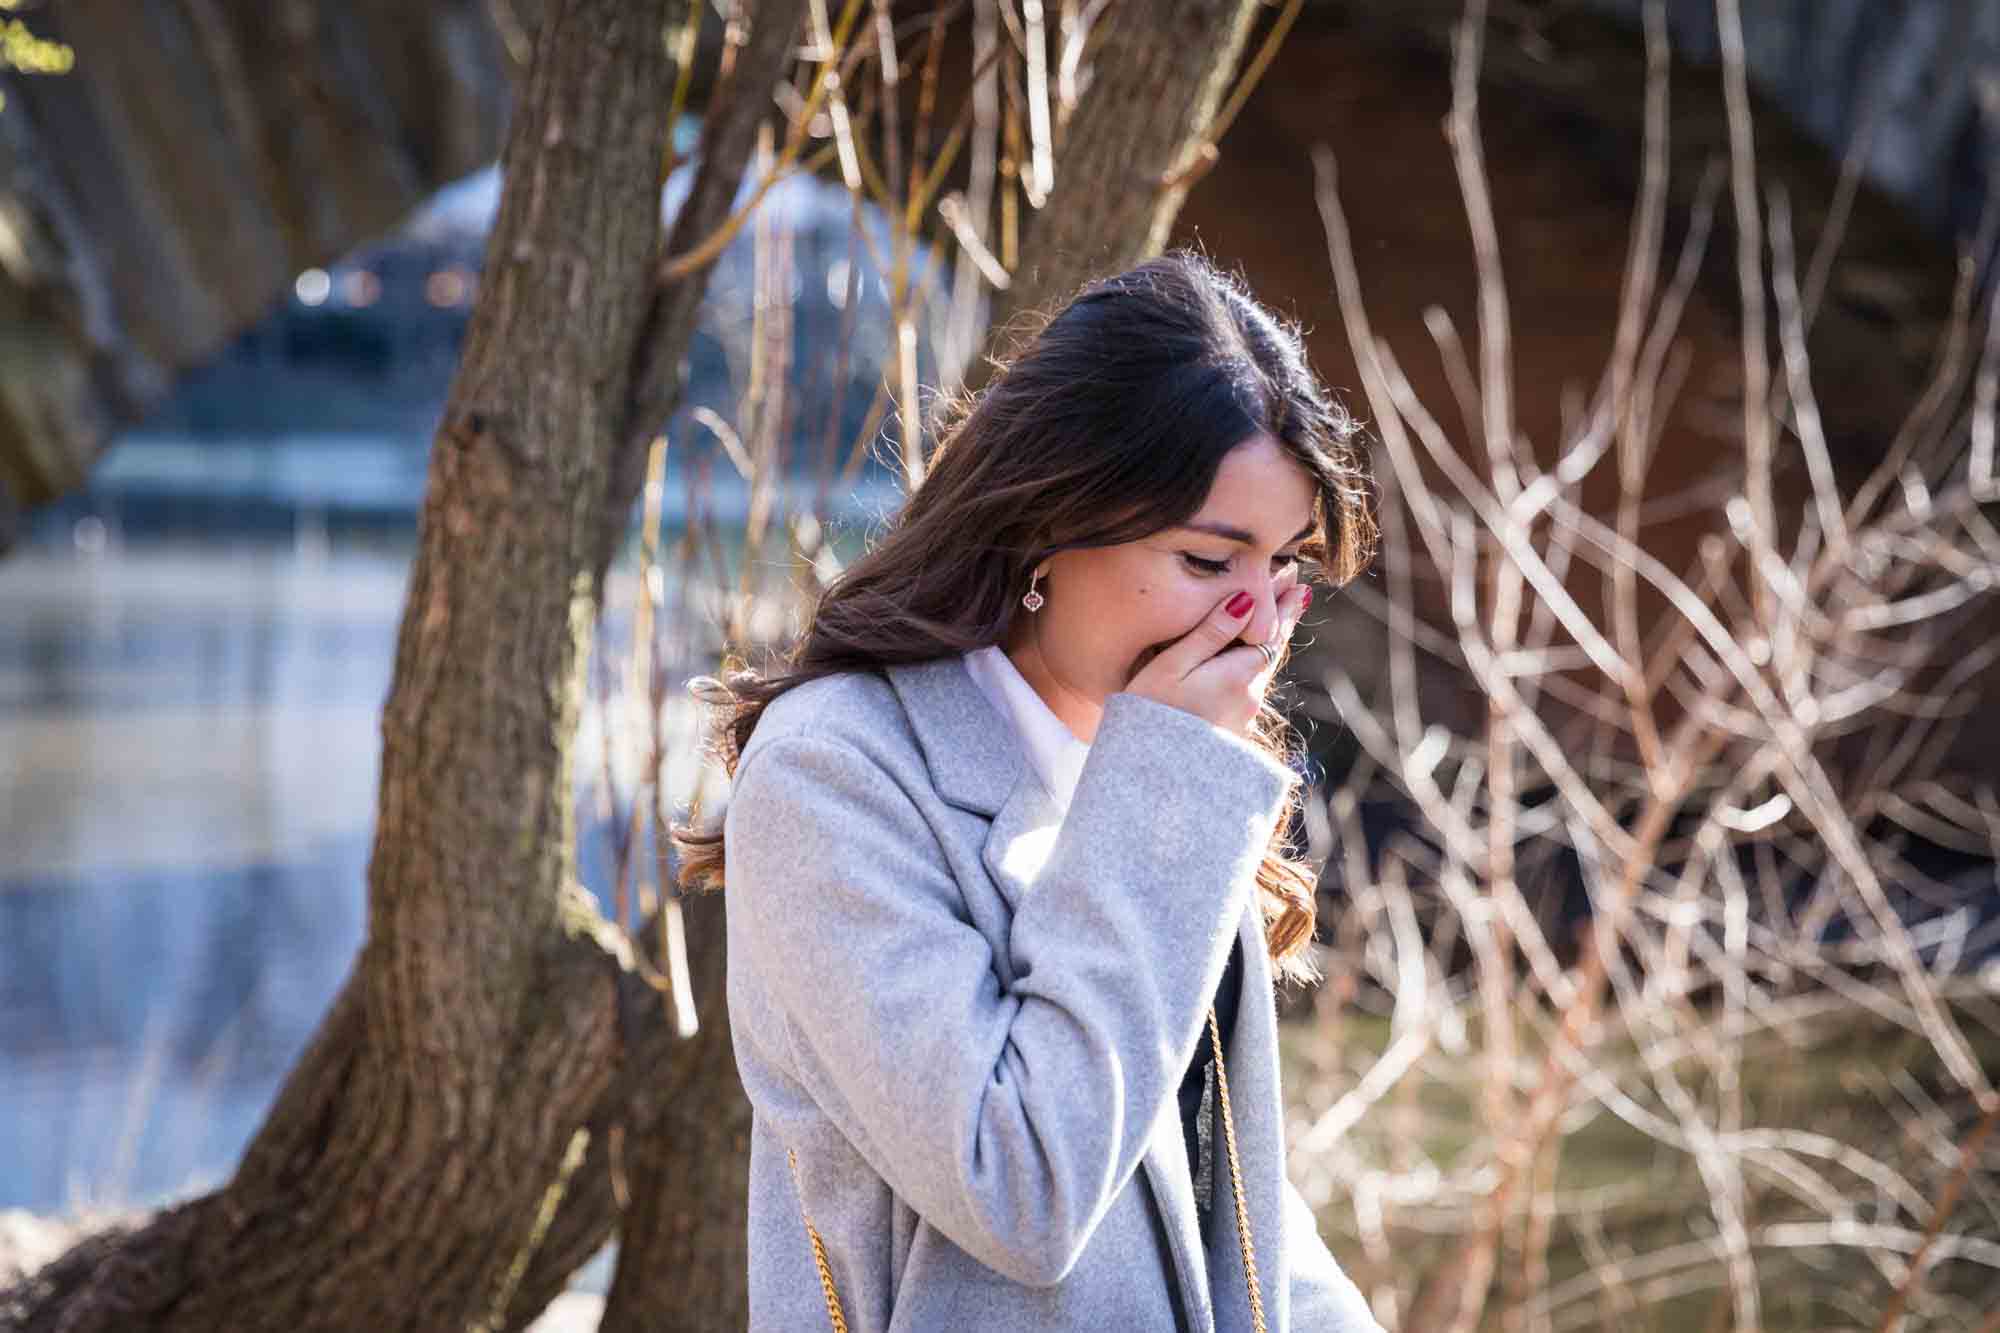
[(1279, 563)]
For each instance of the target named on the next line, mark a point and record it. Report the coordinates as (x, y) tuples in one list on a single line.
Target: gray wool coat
[(968, 1015)]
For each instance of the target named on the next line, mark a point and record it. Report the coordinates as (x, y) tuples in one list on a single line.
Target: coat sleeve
[(1323, 1297), (1008, 1118)]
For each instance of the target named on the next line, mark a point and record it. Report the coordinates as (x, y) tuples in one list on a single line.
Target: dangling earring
[(1033, 601)]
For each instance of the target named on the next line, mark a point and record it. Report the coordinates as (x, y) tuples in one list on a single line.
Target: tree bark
[(735, 110), (400, 1178), (1129, 155), (683, 1244)]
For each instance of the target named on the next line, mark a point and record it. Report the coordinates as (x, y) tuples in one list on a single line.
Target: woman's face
[(1110, 609)]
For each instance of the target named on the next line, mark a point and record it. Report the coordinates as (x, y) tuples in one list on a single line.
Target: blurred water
[(188, 749), (187, 758)]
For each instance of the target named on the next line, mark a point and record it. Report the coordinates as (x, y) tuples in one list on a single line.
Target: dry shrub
[(1753, 1088)]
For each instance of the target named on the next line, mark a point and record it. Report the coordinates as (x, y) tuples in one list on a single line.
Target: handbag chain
[(833, 1310), (819, 1250)]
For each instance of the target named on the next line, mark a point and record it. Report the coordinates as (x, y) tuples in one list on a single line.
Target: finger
[(1215, 633), (1265, 665), (1291, 605), (1293, 610)]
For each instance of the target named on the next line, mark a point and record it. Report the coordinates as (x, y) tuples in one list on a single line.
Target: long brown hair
[(1109, 426)]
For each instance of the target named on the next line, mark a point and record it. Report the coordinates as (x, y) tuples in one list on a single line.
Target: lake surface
[(188, 751), (188, 742)]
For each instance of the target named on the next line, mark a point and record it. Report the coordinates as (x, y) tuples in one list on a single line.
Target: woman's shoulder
[(850, 709)]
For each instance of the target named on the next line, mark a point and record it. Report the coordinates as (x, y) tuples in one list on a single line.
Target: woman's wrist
[(1185, 750)]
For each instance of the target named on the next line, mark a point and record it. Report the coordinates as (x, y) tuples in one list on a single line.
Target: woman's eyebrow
[(1234, 534)]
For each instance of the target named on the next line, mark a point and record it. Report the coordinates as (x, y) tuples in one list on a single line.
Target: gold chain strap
[(1236, 1177), (833, 1310), (819, 1251)]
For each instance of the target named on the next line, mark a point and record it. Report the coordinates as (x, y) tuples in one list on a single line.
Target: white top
[(1054, 752)]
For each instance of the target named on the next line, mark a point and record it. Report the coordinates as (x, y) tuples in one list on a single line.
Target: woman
[(1007, 848)]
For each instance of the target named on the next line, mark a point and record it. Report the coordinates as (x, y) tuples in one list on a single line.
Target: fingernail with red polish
[(1240, 604), (1306, 599)]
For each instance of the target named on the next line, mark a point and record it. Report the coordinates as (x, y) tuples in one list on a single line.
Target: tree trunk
[(1130, 151), (683, 1244), (667, 1168), (400, 1177)]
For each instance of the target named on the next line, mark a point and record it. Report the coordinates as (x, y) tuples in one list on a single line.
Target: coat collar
[(974, 757), (977, 763)]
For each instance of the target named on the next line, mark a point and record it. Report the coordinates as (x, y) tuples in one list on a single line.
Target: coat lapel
[(1167, 1173), (976, 763), (1023, 834), (975, 759)]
